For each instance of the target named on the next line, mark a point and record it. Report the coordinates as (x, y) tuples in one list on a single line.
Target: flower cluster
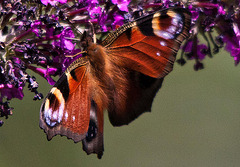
[(40, 35), (217, 23)]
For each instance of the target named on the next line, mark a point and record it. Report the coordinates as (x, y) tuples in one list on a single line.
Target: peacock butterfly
[(121, 75)]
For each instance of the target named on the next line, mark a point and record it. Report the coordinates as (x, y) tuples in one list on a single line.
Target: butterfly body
[(121, 75)]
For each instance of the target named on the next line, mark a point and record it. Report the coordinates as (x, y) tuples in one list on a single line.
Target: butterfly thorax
[(97, 57), (100, 71)]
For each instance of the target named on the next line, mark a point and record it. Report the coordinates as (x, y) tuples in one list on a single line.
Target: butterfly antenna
[(76, 54), (75, 39), (93, 32)]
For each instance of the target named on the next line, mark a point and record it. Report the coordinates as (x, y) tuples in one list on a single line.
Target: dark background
[(195, 121)]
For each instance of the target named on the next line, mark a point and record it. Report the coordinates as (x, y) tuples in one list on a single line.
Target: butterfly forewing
[(144, 51), (66, 109), (69, 108), (149, 45)]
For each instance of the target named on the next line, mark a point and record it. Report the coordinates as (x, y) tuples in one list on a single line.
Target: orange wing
[(61, 112), (143, 52), (69, 110), (149, 45)]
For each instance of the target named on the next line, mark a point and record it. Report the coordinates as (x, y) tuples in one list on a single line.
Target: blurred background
[(195, 121)]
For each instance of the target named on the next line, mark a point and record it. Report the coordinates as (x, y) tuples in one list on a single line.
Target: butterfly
[(122, 75)]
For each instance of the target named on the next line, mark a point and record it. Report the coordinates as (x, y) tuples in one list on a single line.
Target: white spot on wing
[(93, 110), (176, 19), (52, 117), (172, 29), (169, 33), (66, 116), (48, 117), (158, 54), (163, 43), (73, 118), (60, 113), (164, 34)]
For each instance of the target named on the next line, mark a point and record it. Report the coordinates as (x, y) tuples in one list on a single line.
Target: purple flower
[(194, 12), (46, 73), (64, 41), (95, 11), (102, 22), (122, 4), (166, 3), (232, 40), (232, 46), (10, 91), (35, 27), (195, 50), (53, 2), (118, 21), (237, 32), (89, 2), (221, 10)]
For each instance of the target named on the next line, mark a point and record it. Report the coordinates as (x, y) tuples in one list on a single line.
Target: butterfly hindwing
[(93, 143), (147, 49), (134, 98)]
